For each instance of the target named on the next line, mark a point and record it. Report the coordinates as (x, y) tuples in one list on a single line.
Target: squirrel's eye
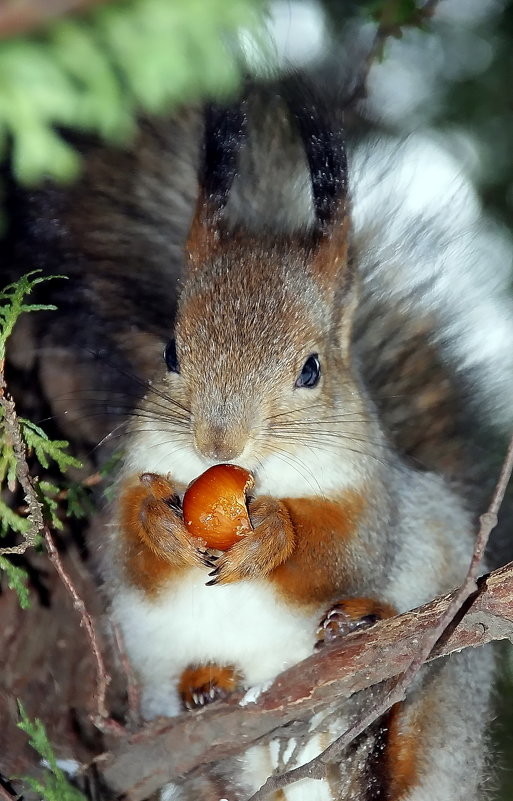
[(171, 358), (310, 373)]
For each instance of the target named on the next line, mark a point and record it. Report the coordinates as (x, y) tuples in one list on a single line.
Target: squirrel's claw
[(348, 615), (262, 550), (214, 573), (208, 559), (200, 685)]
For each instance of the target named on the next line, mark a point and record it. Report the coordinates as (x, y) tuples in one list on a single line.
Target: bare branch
[(132, 688), (387, 27), (172, 749)]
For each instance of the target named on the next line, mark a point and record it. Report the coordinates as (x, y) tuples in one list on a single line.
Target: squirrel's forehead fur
[(264, 301)]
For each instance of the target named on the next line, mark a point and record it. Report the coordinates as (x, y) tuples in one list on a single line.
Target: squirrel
[(342, 331), (308, 351)]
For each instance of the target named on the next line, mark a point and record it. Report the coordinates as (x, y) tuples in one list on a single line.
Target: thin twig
[(316, 768), (101, 719), (6, 795), (387, 27), (37, 525), (132, 687)]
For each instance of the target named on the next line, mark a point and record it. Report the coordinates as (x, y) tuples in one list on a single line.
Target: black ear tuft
[(324, 144), (225, 129)]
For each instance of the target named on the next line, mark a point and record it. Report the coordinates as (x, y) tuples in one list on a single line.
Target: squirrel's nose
[(215, 442)]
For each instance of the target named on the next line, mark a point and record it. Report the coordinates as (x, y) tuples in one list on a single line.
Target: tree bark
[(170, 749)]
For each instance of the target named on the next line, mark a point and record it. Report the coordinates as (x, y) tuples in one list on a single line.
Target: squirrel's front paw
[(267, 546), (200, 685), (350, 615), (150, 511)]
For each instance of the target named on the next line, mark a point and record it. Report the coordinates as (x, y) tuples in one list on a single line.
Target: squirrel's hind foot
[(350, 615), (200, 685)]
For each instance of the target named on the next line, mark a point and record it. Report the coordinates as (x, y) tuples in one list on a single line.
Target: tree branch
[(172, 749), (37, 525), (387, 27)]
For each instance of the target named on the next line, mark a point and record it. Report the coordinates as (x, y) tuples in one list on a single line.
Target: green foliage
[(12, 303), (96, 72), (56, 786), (78, 500), (49, 493), (37, 443), (398, 12), (46, 449), (16, 580), (11, 520)]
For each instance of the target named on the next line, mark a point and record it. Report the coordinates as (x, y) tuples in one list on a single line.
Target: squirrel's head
[(260, 360)]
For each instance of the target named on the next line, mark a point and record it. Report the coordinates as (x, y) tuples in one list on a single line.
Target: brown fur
[(404, 751), (207, 683), (280, 306), (323, 530), (156, 542)]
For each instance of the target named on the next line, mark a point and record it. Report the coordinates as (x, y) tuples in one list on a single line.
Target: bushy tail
[(435, 327)]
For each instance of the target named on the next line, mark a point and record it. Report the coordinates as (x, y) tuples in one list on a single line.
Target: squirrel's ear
[(324, 144), (225, 128)]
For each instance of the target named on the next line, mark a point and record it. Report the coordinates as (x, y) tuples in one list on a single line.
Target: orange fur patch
[(202, 240), (146, 569), (199, 679), (356, 608), (318, 565), (403, 750), (330, 261)]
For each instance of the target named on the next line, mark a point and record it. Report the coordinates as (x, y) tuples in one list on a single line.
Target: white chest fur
[(244, 624), (307, 472)]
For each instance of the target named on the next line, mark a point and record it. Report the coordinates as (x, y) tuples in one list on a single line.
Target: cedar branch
[(37, 525), (14, 435)]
